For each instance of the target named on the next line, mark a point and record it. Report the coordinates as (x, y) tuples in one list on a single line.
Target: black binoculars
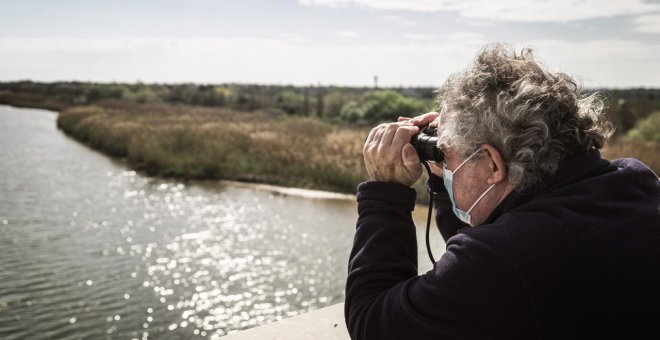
[(425, 142)]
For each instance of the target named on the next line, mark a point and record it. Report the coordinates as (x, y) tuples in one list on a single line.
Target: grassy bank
[(207, 143), (24, 99)]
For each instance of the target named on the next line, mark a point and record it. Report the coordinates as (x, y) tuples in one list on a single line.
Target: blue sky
[(604, 43)]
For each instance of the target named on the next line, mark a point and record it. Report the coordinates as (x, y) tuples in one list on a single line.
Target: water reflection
[(91, 249), (237, 265)]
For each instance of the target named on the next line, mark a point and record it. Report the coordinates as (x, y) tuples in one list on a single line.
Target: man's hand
[(389, 156), (429, 118)]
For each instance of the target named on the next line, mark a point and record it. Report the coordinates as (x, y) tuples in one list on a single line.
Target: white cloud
[(400, 20), (410, 5), (467, 36), (602, 63), (330, 3), (647, 24), (293, 38), (219, 60), (607, 63), (512, 10), (347, 34), (419, 36)]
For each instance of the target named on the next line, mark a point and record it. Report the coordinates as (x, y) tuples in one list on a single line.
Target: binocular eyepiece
[(425, 142)]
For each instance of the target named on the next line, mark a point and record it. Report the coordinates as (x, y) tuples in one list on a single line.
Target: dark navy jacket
[(577, 259)]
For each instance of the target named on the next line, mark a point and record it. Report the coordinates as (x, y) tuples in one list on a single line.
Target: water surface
[(92, 249)]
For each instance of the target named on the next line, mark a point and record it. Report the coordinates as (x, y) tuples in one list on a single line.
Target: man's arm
[(470, 293)]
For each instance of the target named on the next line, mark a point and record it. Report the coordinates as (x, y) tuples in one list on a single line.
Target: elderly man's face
[(470, 182)]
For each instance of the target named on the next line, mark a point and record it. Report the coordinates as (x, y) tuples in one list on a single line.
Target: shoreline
[(291, 191), (271, 186)]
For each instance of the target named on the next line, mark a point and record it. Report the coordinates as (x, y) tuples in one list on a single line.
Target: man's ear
[(497, 169)]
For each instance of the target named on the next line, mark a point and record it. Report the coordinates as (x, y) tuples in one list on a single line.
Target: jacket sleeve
[(468, 294), (445, 219)]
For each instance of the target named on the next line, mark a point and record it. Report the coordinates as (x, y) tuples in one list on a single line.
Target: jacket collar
[(572, 168)]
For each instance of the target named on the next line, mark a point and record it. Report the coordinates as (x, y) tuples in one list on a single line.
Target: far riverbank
[(195, 142)]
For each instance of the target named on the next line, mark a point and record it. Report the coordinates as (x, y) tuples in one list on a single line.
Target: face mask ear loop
[(485, 192), (466, 160), (479, 199)]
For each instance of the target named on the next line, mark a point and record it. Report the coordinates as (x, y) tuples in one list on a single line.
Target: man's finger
[(371, 135), (384, 147), (394, 128), (410, 157), (403, 136), (425, 119), (379, 134)]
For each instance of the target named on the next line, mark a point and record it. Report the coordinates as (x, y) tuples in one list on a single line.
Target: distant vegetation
[(200, 143), (364, 105), (298, 136)]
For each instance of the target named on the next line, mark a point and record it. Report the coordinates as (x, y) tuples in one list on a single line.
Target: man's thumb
[(410, 157)]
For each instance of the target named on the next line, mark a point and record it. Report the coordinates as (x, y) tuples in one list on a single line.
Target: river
[(91, 249)]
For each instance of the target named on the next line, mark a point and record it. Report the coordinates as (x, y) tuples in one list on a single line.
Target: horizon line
[(316, 85)]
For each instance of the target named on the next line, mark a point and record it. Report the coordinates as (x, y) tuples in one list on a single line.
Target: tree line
[(356, 104), (368, 105)]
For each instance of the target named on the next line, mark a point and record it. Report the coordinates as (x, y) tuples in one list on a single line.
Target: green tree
[(648, 129), (351, 112), (289, 102), (388, 105)]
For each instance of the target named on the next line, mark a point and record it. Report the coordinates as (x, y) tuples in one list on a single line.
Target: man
[(545, 239)]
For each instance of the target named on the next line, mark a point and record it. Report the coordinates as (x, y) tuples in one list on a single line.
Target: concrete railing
[(323, 324)]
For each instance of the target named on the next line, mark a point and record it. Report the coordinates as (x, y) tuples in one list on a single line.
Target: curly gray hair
[(532, 116)]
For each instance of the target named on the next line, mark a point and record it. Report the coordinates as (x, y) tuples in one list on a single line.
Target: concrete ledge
[(326, 323)]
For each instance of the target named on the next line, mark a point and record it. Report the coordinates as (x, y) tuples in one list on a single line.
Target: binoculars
[(425, 142)]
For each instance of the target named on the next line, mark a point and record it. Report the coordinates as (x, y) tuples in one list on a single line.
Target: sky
[(603, 43)]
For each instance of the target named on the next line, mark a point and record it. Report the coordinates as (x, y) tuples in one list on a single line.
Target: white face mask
[(448, 179)]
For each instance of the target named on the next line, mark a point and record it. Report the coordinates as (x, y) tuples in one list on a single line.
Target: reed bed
[(207, 143)]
